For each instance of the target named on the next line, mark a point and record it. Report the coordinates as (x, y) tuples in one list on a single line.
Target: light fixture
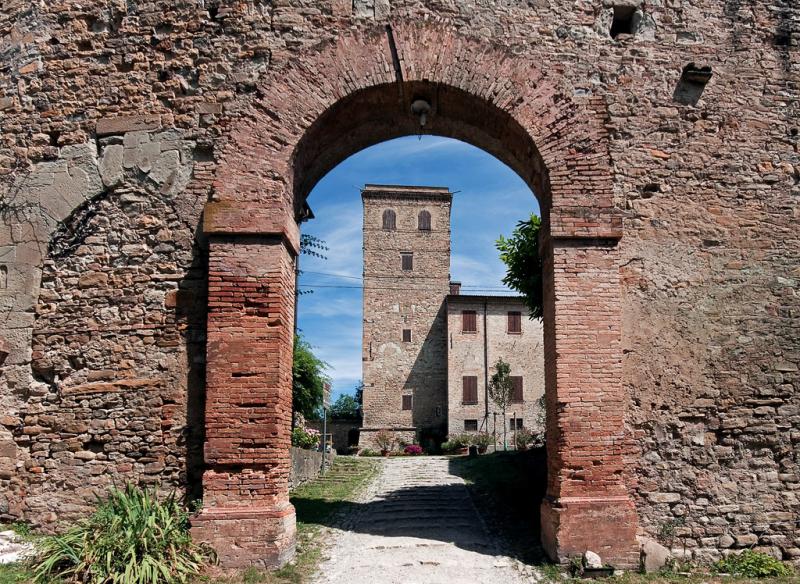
[(421, 109)]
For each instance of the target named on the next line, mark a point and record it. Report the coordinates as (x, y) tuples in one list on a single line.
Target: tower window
[(424, 221), (407, 261), (407, 402), (514, 322), (406, 335), (469, 321), (389, 220)]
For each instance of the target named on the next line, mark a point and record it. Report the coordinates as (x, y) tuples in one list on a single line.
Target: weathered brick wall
[(708, 193), (465, 356), (394, 300)]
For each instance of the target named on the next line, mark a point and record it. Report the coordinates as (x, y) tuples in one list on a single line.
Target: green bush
[(132, 538), (753, 564), (369, 452), (482, 440), (457, 442)]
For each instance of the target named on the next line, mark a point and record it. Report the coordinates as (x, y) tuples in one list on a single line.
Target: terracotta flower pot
[(384, 453)]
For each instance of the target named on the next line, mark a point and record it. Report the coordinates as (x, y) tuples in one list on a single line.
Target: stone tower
[(406, 278)]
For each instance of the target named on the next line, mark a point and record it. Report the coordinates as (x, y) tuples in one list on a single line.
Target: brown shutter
[(424, 221), (407, 260), (469, 389), (514, 322), (389, 220), (407, 402), (516, 394), (468, 321), (406, 335)]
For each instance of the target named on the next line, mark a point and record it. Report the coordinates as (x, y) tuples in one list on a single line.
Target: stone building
[(155, 158), (423, 346), (481, 330)]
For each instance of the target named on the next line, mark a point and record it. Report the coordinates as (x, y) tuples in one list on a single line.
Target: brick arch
[(332, 101)]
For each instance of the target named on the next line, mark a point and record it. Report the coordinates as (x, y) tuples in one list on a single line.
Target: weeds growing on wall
[(132, 538)]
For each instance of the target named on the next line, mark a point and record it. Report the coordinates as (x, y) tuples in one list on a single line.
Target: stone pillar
[(246, 515), (587, 506)]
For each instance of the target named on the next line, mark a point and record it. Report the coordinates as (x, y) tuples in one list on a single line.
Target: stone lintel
[(237, 218)]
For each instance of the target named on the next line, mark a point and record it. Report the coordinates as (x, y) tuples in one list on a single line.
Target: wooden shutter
[(407, 400), (469, 322), (389, 220), (407, 260), (516, 395), (406, 335), (469, 389), (514, 322), (424, 221)]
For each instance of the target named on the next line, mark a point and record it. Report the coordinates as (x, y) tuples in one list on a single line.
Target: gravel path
[(416, 523)]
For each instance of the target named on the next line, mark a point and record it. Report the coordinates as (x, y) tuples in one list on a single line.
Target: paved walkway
[(417, 524)]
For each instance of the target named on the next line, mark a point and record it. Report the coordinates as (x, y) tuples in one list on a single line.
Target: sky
[(489, 199)]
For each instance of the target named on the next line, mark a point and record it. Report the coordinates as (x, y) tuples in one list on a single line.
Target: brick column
[(246, 515), (587, 506)]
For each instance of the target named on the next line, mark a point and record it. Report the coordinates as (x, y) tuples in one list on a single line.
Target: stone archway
[(317, 110)]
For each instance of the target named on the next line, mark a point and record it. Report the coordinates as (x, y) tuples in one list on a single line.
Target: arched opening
[(556, 145)]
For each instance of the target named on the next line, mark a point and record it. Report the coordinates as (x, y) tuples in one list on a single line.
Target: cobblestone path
[(417, 524)]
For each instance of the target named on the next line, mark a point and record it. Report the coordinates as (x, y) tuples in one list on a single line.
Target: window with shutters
[(424, 221), (470, 425), (514, 323), (407, 402), (389, 220), (406, 335), (407, 261), (516, 394), (469, 321), (469, 389)]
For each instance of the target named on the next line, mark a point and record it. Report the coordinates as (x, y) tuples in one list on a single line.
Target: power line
[(360, 279)]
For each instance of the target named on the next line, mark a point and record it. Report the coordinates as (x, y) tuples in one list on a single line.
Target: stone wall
[(465, 356), (306, 465), (706, 189), (394, 300)]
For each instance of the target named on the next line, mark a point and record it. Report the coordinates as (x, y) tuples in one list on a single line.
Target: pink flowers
[(413, 449)]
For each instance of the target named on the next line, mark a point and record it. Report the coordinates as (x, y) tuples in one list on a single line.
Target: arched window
[(389, 220), (424, 221)]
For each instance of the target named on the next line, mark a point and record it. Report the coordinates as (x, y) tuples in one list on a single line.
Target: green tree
[(501, 390), (520, 254), (345, 408), (308, 380)]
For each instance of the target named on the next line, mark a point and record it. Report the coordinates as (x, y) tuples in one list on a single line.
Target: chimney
[(455, 288)]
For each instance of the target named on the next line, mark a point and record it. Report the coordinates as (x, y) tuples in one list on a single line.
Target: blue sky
[(489, 199)]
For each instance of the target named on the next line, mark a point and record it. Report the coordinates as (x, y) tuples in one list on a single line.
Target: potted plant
[(385, 441), (457, 444), (482, 440), (523, 438)]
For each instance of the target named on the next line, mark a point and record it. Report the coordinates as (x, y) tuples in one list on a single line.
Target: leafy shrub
[(308, 439), (753, 564), (457, 442), (413, 449), (369, 452), (482, 440), (385, 440), (523, 438), (132, 538)]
